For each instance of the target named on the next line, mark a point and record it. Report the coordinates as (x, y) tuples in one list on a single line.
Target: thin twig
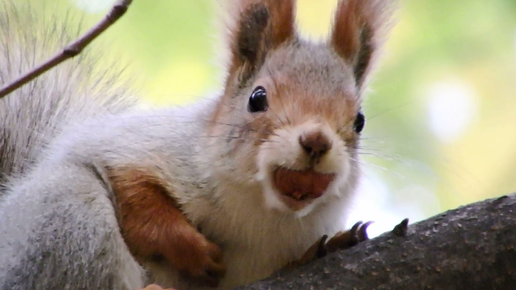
[(71, 50)]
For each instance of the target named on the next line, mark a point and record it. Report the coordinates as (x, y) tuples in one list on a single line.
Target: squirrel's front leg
[(153, 227), (341, 240)]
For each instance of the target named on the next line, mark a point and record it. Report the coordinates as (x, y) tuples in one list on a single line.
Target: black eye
[(258, 100), (359, 124)]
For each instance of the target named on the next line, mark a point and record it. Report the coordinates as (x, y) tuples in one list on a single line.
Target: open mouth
[(300, 187)]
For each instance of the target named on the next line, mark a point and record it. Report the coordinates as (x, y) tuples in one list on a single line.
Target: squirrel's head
[(290, 117)]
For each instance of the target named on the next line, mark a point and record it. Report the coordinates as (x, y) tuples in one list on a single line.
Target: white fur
[(284, 150)]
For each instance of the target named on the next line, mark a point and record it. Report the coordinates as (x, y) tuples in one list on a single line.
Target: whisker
[(390, 110)]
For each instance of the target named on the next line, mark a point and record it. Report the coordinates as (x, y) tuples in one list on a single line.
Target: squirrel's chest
[(260, 246), (245, 261), (256, 242), (247, 265)]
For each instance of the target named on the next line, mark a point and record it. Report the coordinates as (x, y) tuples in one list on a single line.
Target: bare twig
[(71, 50)]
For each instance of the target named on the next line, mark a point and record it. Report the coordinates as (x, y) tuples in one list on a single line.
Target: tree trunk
[(472, 247)]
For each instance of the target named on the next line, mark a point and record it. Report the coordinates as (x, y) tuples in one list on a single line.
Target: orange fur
[(345, 37), (282, 20), (262, 25), (298, 105), (359, 28), (153, 225)]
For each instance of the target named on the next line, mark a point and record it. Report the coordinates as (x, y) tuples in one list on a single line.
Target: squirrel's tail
[(33, 115)]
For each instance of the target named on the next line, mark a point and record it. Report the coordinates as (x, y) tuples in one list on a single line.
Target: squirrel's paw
[(341, 240), (347, 239), (198, 259)]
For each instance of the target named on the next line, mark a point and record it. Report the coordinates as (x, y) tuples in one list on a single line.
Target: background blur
[(441, 110)]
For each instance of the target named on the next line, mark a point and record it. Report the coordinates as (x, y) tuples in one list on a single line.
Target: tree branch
[(472, 247), (71, 50)]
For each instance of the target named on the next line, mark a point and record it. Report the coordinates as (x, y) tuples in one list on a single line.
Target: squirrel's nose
[(315, 144)]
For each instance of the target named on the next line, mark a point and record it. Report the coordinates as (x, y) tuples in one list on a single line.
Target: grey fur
[(44, 237), (37, 112)]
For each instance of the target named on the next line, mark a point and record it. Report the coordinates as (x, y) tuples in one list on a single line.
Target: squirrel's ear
[(259, 26), (359, 28)]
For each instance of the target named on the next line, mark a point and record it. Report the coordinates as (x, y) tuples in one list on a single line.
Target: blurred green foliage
[(453, 59)]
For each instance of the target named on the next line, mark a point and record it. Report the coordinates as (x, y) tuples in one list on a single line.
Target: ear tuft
[(248, 39), (282, 21), (360, 27), (258, 27)]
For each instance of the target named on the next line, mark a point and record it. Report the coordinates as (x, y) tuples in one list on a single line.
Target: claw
[(317, 250), (321, 248), (341, 240), (401, 229), (362, 232), (355, 227)]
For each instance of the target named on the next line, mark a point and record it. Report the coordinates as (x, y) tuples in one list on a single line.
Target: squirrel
[(97, 193)]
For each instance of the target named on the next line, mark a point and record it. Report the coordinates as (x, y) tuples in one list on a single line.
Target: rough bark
[(472, 247)]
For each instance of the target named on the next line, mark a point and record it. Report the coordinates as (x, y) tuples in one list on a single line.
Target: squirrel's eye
[(258, 100), (359, 124)]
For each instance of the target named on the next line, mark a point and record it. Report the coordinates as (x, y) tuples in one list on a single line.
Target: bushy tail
[(31, 116)]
